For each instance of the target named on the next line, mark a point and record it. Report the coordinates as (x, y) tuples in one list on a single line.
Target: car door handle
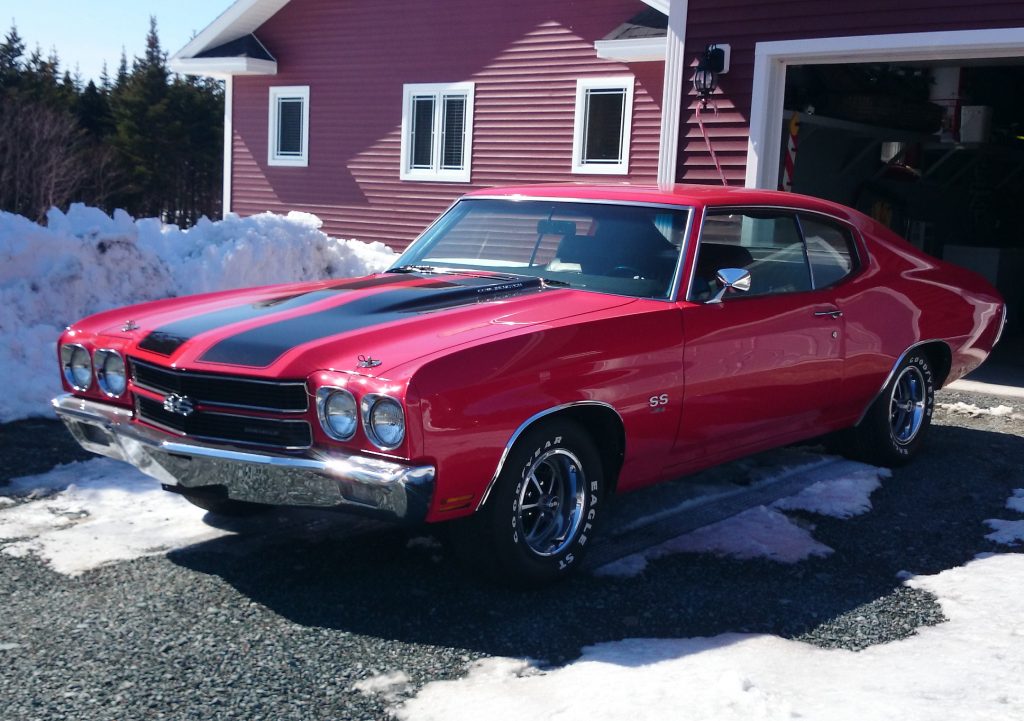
[(829, 313)]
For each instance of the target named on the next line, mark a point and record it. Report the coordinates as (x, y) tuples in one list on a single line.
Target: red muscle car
[(535, 351)]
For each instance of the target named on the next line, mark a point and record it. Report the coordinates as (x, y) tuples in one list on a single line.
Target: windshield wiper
[(555, 282)]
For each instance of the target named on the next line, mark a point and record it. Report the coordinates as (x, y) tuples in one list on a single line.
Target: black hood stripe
[(168, 338), (259, 347)]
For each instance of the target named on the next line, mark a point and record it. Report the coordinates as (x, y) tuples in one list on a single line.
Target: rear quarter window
[(830, 250)]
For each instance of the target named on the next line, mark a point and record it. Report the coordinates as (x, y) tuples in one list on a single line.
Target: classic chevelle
[(534, 351)]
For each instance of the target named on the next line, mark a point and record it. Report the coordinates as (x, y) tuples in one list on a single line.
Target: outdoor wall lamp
[(714, 62)]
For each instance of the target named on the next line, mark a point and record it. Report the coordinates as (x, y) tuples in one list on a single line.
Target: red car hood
[(291, 331)]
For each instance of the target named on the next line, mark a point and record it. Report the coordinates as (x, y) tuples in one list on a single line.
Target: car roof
[(680, 194)]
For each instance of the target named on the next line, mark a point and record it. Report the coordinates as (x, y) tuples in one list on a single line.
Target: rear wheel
[(542, 511), (894, 428)]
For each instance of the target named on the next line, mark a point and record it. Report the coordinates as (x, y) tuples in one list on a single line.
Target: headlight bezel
[(368, 405), (323, 396), (100, 358), (67, 363)]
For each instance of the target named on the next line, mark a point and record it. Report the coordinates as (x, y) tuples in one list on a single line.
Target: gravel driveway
[(280, 621)]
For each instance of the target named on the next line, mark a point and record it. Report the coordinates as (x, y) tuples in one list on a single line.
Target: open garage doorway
[(926, 140)]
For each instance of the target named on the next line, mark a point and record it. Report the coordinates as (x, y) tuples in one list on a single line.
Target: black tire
[(542, 512), (226, 506), (893, 430)]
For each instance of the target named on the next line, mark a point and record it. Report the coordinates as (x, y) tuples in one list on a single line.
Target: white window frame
[(276, 94), (623, 82), (435, 172), (771, 60)]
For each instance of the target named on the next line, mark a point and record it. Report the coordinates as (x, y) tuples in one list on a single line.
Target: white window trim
[(287, 91), (582, 85), (435, 173), (772, 58)]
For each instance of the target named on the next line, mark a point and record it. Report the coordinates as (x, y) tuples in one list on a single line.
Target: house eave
[(631, 50), (662, 5), (241, 18), (223, 67)]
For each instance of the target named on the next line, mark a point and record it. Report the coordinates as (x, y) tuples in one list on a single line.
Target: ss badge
[(658, 403)]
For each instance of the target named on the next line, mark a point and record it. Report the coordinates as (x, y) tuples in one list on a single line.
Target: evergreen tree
[(145, 141), (12, 49)]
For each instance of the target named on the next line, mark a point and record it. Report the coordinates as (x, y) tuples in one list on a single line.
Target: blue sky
[(87, 32)]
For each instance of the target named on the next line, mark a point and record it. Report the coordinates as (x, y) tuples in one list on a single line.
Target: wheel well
[(941, 358), (605, 427)]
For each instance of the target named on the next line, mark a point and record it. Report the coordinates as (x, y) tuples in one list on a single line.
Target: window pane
[(422, 132), (830, 250), (602, 130), (454, 132), (289, 126), (768, 245)]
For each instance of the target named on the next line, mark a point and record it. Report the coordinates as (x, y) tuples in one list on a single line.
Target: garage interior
[(933, 150)]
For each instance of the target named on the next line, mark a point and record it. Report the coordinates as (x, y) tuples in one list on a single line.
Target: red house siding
[(524, 57), (743, 23)]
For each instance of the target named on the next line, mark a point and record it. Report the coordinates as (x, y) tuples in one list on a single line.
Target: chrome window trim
[(673, 289), (322, 394), (892, 373), (366, 405), (855, 237), (526, 424), (98, 360), (65, 364), (218, 377)]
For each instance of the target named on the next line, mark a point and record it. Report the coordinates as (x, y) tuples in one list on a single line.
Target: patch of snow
[(91, 513), (755, 533), (968, 668), (1007, 533), (969, 409), (843, 497), (764, 532), (85, 261), (1016, 501), (390, 686)]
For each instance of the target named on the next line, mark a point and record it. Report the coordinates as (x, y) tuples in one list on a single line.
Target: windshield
[(623, 249)]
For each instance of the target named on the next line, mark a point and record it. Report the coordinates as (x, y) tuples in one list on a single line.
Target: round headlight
[(110, 372), (386, 423), (338, 412), (77, 366)]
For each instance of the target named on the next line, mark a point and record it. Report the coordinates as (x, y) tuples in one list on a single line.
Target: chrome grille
[(227, 427), (222, 390)]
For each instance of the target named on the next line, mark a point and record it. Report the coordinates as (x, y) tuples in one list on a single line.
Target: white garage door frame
[(772, 58)]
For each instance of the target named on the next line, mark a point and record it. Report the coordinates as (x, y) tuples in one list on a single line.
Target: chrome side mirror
[(736, 279)]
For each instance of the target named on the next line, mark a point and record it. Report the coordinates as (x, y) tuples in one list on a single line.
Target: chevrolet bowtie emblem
[(181, 405)]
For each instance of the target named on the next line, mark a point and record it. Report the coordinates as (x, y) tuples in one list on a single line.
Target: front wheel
[(542, 511), (895, 425)]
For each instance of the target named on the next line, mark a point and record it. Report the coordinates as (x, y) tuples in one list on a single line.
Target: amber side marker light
[(455, 503)]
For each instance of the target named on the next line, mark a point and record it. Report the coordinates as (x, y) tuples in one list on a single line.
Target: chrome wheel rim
[(551, 501), (907, 405)]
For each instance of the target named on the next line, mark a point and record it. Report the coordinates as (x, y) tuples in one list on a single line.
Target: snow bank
[(968, 668), (85, 261)]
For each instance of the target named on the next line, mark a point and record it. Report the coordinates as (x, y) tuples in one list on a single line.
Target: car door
[(761, 367)]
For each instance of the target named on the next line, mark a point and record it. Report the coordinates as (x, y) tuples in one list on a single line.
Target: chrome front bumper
[(325, 480)]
